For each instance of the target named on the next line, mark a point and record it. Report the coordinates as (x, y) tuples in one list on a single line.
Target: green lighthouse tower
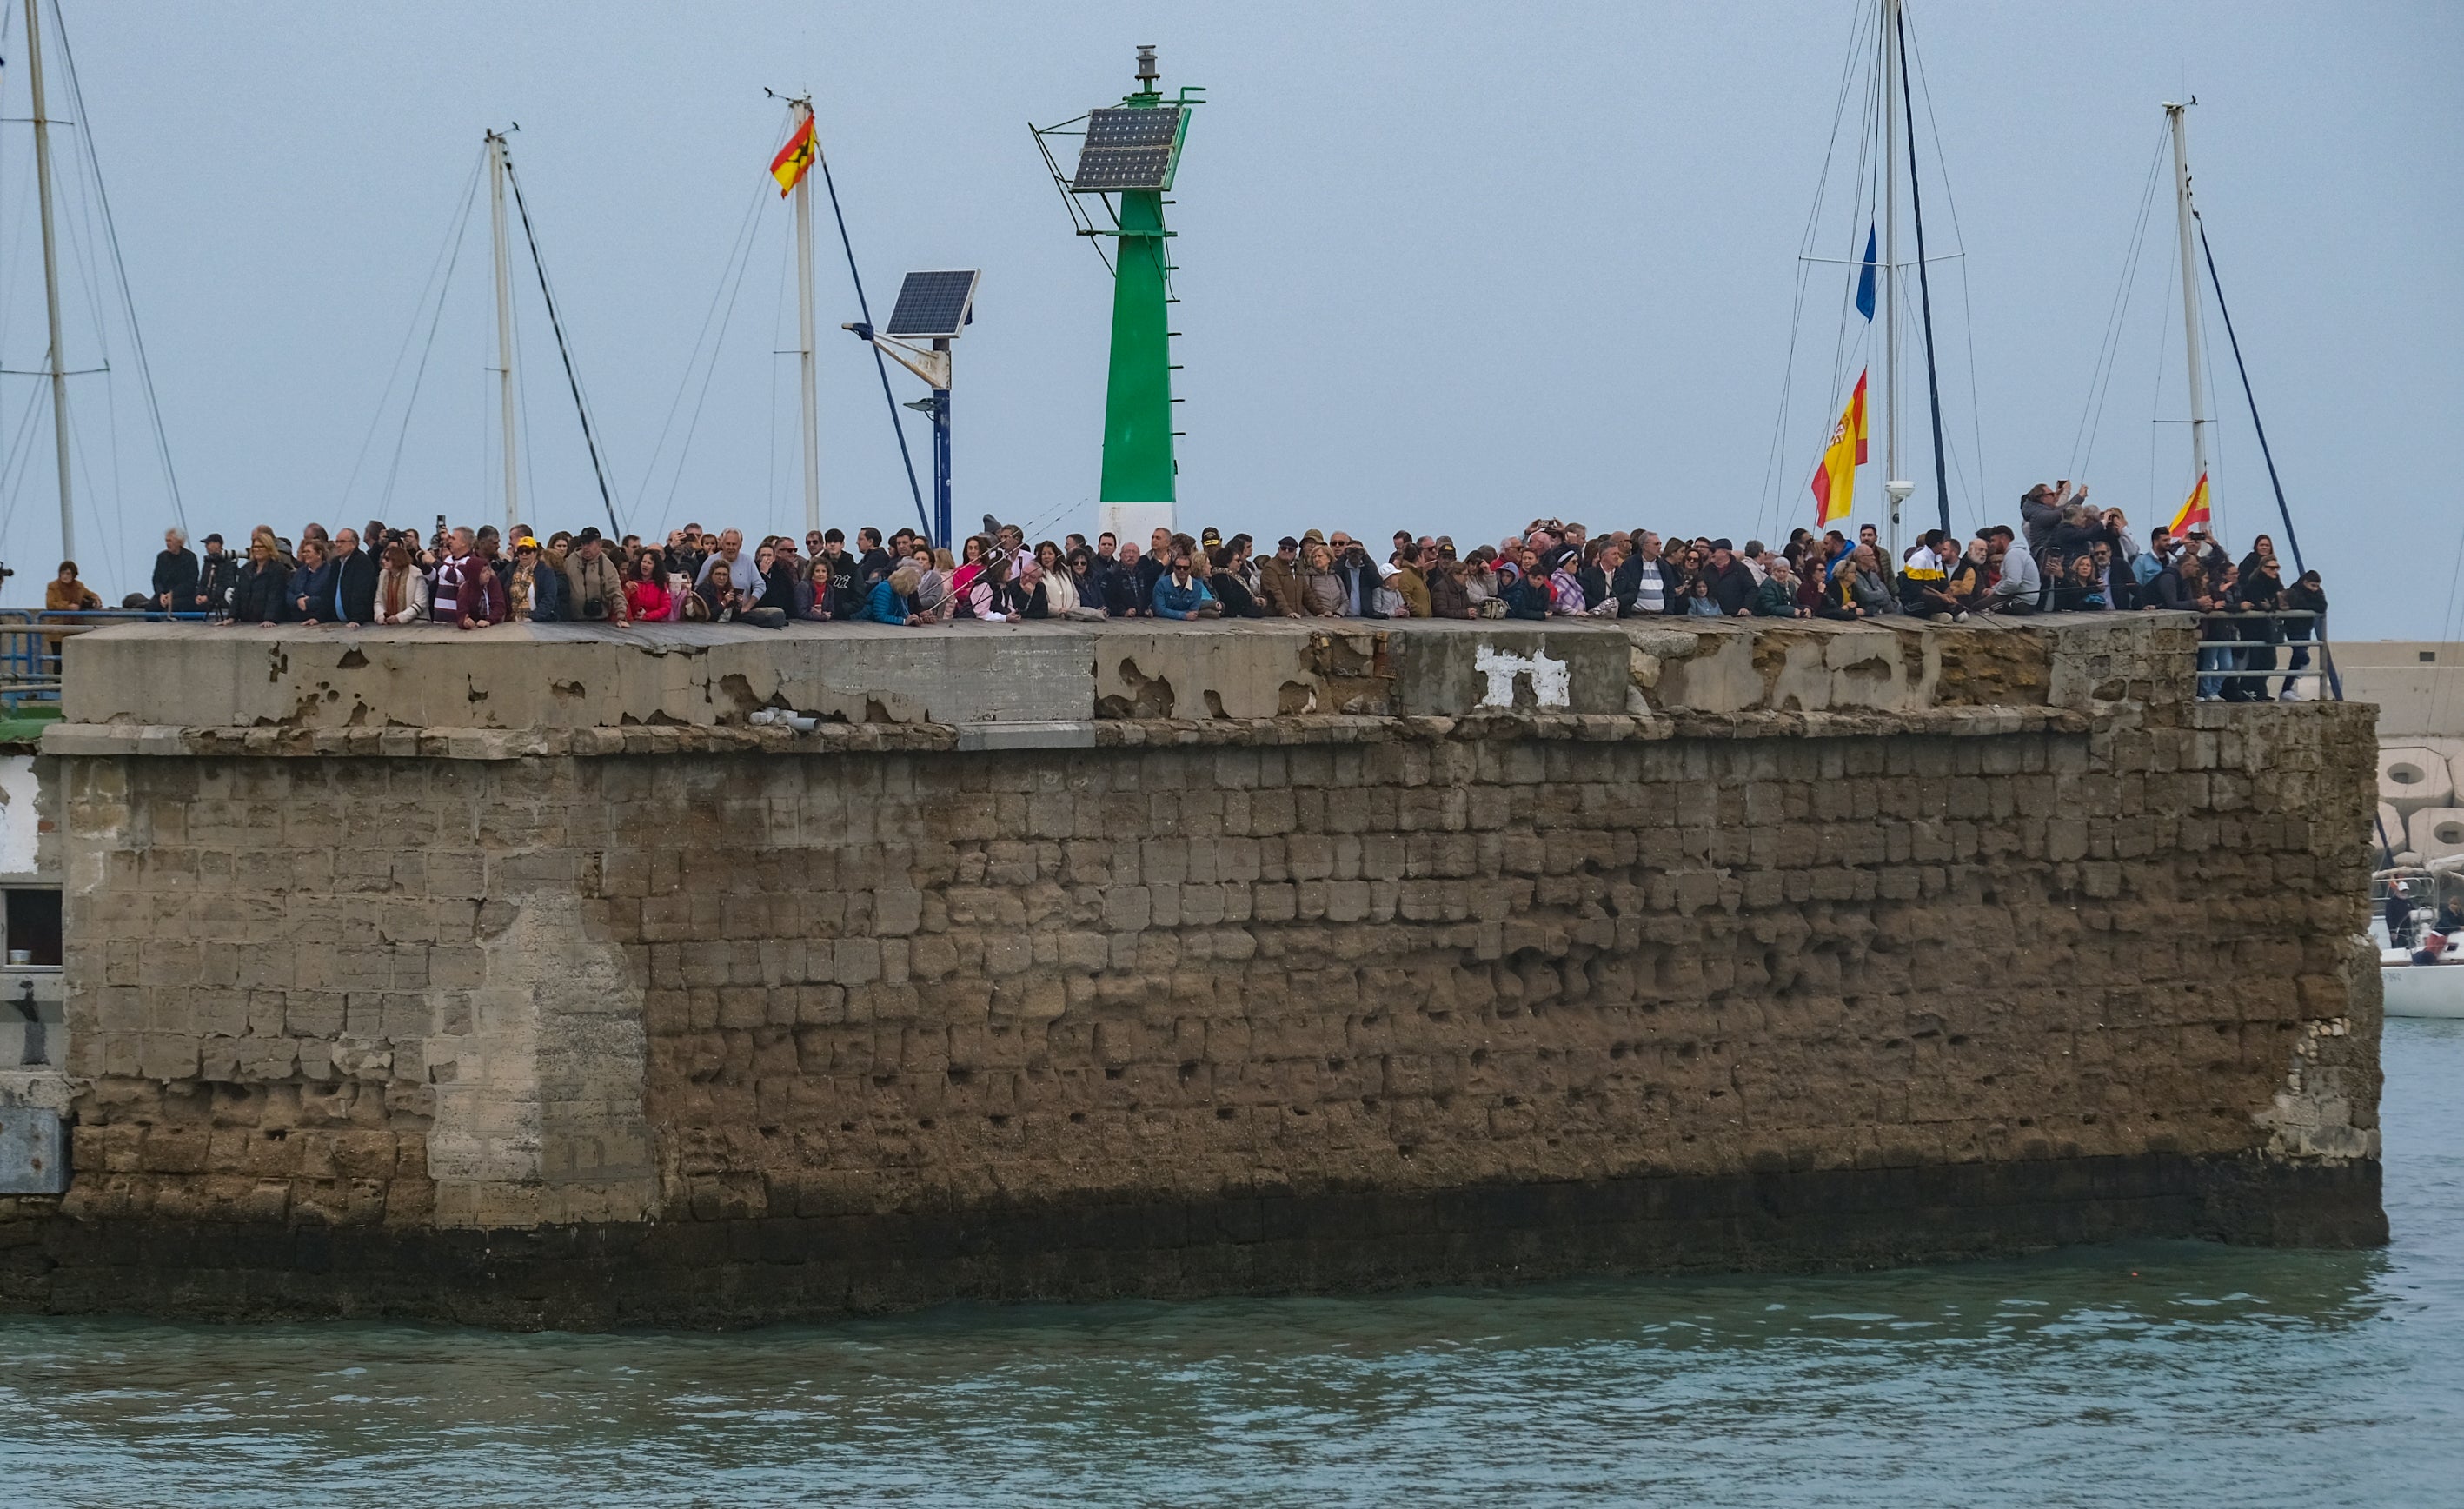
[(1131, 152)]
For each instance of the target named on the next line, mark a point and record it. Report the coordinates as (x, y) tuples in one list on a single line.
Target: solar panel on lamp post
[(934, 307)]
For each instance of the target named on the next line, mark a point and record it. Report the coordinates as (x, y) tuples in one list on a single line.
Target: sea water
[(2157, 1373)]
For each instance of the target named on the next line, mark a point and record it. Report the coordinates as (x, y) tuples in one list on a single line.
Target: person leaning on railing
[(299, 597), (64, 593), (1550, 568), (2304, 596), (401, 591), (2258, 592)]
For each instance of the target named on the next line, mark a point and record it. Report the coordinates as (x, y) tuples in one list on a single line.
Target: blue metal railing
[(30, 647)]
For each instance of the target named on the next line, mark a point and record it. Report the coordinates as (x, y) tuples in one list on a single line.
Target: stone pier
[(715, 976)]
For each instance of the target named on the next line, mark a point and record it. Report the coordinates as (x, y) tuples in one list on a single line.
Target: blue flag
[(1866, 278)]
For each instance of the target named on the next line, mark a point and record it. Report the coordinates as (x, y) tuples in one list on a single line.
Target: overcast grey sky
[(1443, 266)]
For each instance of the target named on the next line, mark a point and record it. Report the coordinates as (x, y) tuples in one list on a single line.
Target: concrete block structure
[(540, 977)]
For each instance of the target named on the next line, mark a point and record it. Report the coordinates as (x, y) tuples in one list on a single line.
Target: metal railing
[(30, 647), (2239, 660)]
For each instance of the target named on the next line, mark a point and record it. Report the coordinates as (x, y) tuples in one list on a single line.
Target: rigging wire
[(1925, 284), (488, 425), (1967, 302), (20, 219), (1853, 334), (12, 460), (14, 471), (2448, 629), (1847, 337), (1080, 221), (2109, 350), (774, 493), (2282, 508), (564, 351), (1804, 274), (2217, 469), (722, 309), (522, 423), (880, 363), (84, 466), (120, 264), (2156, 404), (118, 498), (452, 238), (76, 224)]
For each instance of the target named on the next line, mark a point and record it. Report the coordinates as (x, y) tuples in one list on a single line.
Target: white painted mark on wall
[(1548, 678), (20, 835)]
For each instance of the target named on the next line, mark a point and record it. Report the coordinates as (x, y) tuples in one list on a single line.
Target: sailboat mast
[(1892, 485), (51, 276), (504, 327), (804, 332), (2178, 117)]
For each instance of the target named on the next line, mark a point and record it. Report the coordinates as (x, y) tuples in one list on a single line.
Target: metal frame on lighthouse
[(1132, 151)]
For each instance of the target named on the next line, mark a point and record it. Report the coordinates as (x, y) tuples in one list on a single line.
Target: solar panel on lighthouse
[(932, 306), (1128, 147)]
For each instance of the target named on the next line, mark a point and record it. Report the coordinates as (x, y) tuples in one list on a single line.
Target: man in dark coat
[(1732, 583), (345, 588), (1360, 579), (175, 574), (846, 576), (872, 561)]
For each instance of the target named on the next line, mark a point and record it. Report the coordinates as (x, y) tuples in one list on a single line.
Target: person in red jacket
[(646, 590)]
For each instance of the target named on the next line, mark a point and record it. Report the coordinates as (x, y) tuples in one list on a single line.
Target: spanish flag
[(795, 159), (2194, 508), (1835, 481)]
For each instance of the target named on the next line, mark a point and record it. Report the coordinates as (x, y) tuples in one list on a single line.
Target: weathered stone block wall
[(1836, 947), (759, 989)]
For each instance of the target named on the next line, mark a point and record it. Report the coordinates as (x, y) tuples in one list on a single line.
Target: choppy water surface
[(2168, 1374)]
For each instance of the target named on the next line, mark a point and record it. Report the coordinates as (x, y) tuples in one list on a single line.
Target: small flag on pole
[(1866, 278), (2194, 508), (795, 159), (1835, 481)]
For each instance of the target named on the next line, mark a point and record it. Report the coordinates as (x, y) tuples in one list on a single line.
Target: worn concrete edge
[(120, 739)]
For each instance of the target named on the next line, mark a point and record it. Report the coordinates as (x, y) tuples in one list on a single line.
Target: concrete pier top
[(536, 677)]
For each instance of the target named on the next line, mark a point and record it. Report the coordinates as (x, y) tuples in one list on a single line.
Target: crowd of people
[(2066, 556)]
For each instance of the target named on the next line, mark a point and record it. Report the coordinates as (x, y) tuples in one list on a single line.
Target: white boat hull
[(2423, 989)]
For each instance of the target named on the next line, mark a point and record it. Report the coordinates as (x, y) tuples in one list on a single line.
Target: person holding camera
[(595, 592), (217, 572)]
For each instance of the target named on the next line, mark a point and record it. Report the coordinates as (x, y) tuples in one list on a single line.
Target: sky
[(1447, 267)]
